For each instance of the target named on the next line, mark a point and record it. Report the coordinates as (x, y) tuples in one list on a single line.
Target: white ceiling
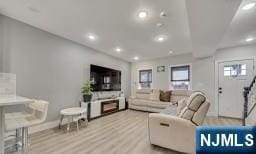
[(209, 20), (243, 26), (197, 26)]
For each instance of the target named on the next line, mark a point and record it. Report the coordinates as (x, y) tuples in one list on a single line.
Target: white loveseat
[(149, 99)]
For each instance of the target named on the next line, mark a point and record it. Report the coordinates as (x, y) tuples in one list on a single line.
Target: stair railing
[(249, 95)]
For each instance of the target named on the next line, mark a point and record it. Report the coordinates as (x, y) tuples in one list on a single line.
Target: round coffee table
[(74, 114)]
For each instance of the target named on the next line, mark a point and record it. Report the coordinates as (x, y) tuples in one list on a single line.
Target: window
[(235, 70), (180, 77), (145, 78)]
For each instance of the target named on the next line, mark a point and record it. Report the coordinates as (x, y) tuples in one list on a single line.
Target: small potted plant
[(87, 91)]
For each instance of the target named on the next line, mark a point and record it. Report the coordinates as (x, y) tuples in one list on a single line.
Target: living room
[(148, 56)]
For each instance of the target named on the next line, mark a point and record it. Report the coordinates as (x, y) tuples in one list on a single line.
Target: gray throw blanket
[(170, 110)]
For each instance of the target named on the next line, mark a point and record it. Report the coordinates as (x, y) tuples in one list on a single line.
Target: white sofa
[(148, 99), (178, 132)]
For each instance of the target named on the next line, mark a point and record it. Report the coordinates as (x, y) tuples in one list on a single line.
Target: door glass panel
[(235, 70), (227, 73), (227, 68), (243, 72), (243, 66), (233, 73)]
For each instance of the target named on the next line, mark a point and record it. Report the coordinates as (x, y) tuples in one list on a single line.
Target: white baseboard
[(212, 114), (46, 125), (37, 128), (43, 126)]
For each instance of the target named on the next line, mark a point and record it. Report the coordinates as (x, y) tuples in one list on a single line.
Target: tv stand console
[(102, 107)]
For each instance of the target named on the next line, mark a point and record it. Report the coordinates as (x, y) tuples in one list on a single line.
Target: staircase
[(249, 113)]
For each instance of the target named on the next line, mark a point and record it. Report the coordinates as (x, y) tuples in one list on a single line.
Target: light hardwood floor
[(124, 132)]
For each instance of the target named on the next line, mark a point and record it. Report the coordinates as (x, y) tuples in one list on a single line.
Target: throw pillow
[(165, 96)]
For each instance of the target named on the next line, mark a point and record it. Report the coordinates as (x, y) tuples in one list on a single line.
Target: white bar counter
[(4, 102)]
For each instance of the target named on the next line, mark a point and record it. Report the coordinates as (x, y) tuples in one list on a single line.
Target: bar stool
[(25, 113), (34, 114), (18, 132)]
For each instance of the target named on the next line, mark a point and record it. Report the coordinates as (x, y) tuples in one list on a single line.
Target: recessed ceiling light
[(160, 38), (142, 14), (170, 52), (118, 50), (91, 37), (136, 58), (248, 6), (249, 39)]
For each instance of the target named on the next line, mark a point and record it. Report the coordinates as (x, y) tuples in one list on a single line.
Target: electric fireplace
[(109, 106)]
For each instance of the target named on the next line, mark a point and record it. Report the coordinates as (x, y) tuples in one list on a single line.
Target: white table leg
[(86, 120), (69, 121), (61, 119), (77, 125), (2, 130)]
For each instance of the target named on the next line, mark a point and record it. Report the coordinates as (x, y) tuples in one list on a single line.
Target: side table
[(74, 115)]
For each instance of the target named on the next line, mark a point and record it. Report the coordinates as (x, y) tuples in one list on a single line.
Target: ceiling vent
[(163, 14)]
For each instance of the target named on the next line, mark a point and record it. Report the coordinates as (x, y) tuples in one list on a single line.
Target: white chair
[(34, 114)]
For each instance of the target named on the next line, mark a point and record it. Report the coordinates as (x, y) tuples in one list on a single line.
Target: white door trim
[(217, 76)]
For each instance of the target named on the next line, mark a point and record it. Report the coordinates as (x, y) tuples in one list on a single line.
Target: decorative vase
[(87, 98)]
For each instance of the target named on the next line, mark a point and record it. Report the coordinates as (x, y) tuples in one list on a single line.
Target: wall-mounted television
[(105, 79)]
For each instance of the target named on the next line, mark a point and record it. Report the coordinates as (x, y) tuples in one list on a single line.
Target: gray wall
[(236, 52), (203, 70), (1, 44), (200, 79), (51, 68)]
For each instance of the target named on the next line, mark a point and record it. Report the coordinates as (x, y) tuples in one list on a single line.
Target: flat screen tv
[(105, 79)]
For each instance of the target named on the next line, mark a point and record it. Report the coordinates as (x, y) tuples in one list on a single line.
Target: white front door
[(233, 77)]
